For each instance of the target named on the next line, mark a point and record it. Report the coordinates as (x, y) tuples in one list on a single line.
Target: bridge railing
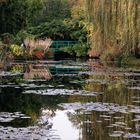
[(60, 44)]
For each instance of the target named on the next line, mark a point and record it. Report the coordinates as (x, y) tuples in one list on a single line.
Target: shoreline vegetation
[(106, 30)]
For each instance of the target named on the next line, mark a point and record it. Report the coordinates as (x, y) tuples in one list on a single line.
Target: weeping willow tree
[(116, 25)]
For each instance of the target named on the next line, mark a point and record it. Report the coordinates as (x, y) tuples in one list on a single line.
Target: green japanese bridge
[(58, 46)]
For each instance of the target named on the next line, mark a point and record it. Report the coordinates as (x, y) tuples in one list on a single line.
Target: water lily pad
[(61, 92), (32, 132), (8, 117), (101, 107), (132, 135)]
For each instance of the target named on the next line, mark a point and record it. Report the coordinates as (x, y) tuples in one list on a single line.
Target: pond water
[(69, 100)]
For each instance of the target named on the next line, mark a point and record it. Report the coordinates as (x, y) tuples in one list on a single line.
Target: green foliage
[(34, 11), (68, 29), (17, 68), (5, 53), (61, 30), (7, 38), (57, 19), (21, 36), (56, 9), (17, 14), (11, 18), (80, 50), (16, 50)]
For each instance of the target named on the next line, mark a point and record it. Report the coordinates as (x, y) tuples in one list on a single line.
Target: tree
[(17, 14), (116, 25)]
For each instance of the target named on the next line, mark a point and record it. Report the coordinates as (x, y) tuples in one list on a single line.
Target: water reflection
[(64, 126), (38, 73), (100, 104)]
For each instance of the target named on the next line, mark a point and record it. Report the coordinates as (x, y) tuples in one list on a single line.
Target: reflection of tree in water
[(113, 85), (99, 125), (45, 117), (30, 104), (82, 121), (37, 73), (74, 118)]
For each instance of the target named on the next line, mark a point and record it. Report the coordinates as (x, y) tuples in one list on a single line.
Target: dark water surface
[(67, 100)]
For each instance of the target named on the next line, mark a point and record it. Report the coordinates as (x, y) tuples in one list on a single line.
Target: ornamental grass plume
[(32, 46)]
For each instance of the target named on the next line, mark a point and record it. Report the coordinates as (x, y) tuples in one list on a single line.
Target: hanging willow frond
[(117, 21)]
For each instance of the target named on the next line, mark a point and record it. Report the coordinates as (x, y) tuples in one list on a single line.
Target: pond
[(69, 100)]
